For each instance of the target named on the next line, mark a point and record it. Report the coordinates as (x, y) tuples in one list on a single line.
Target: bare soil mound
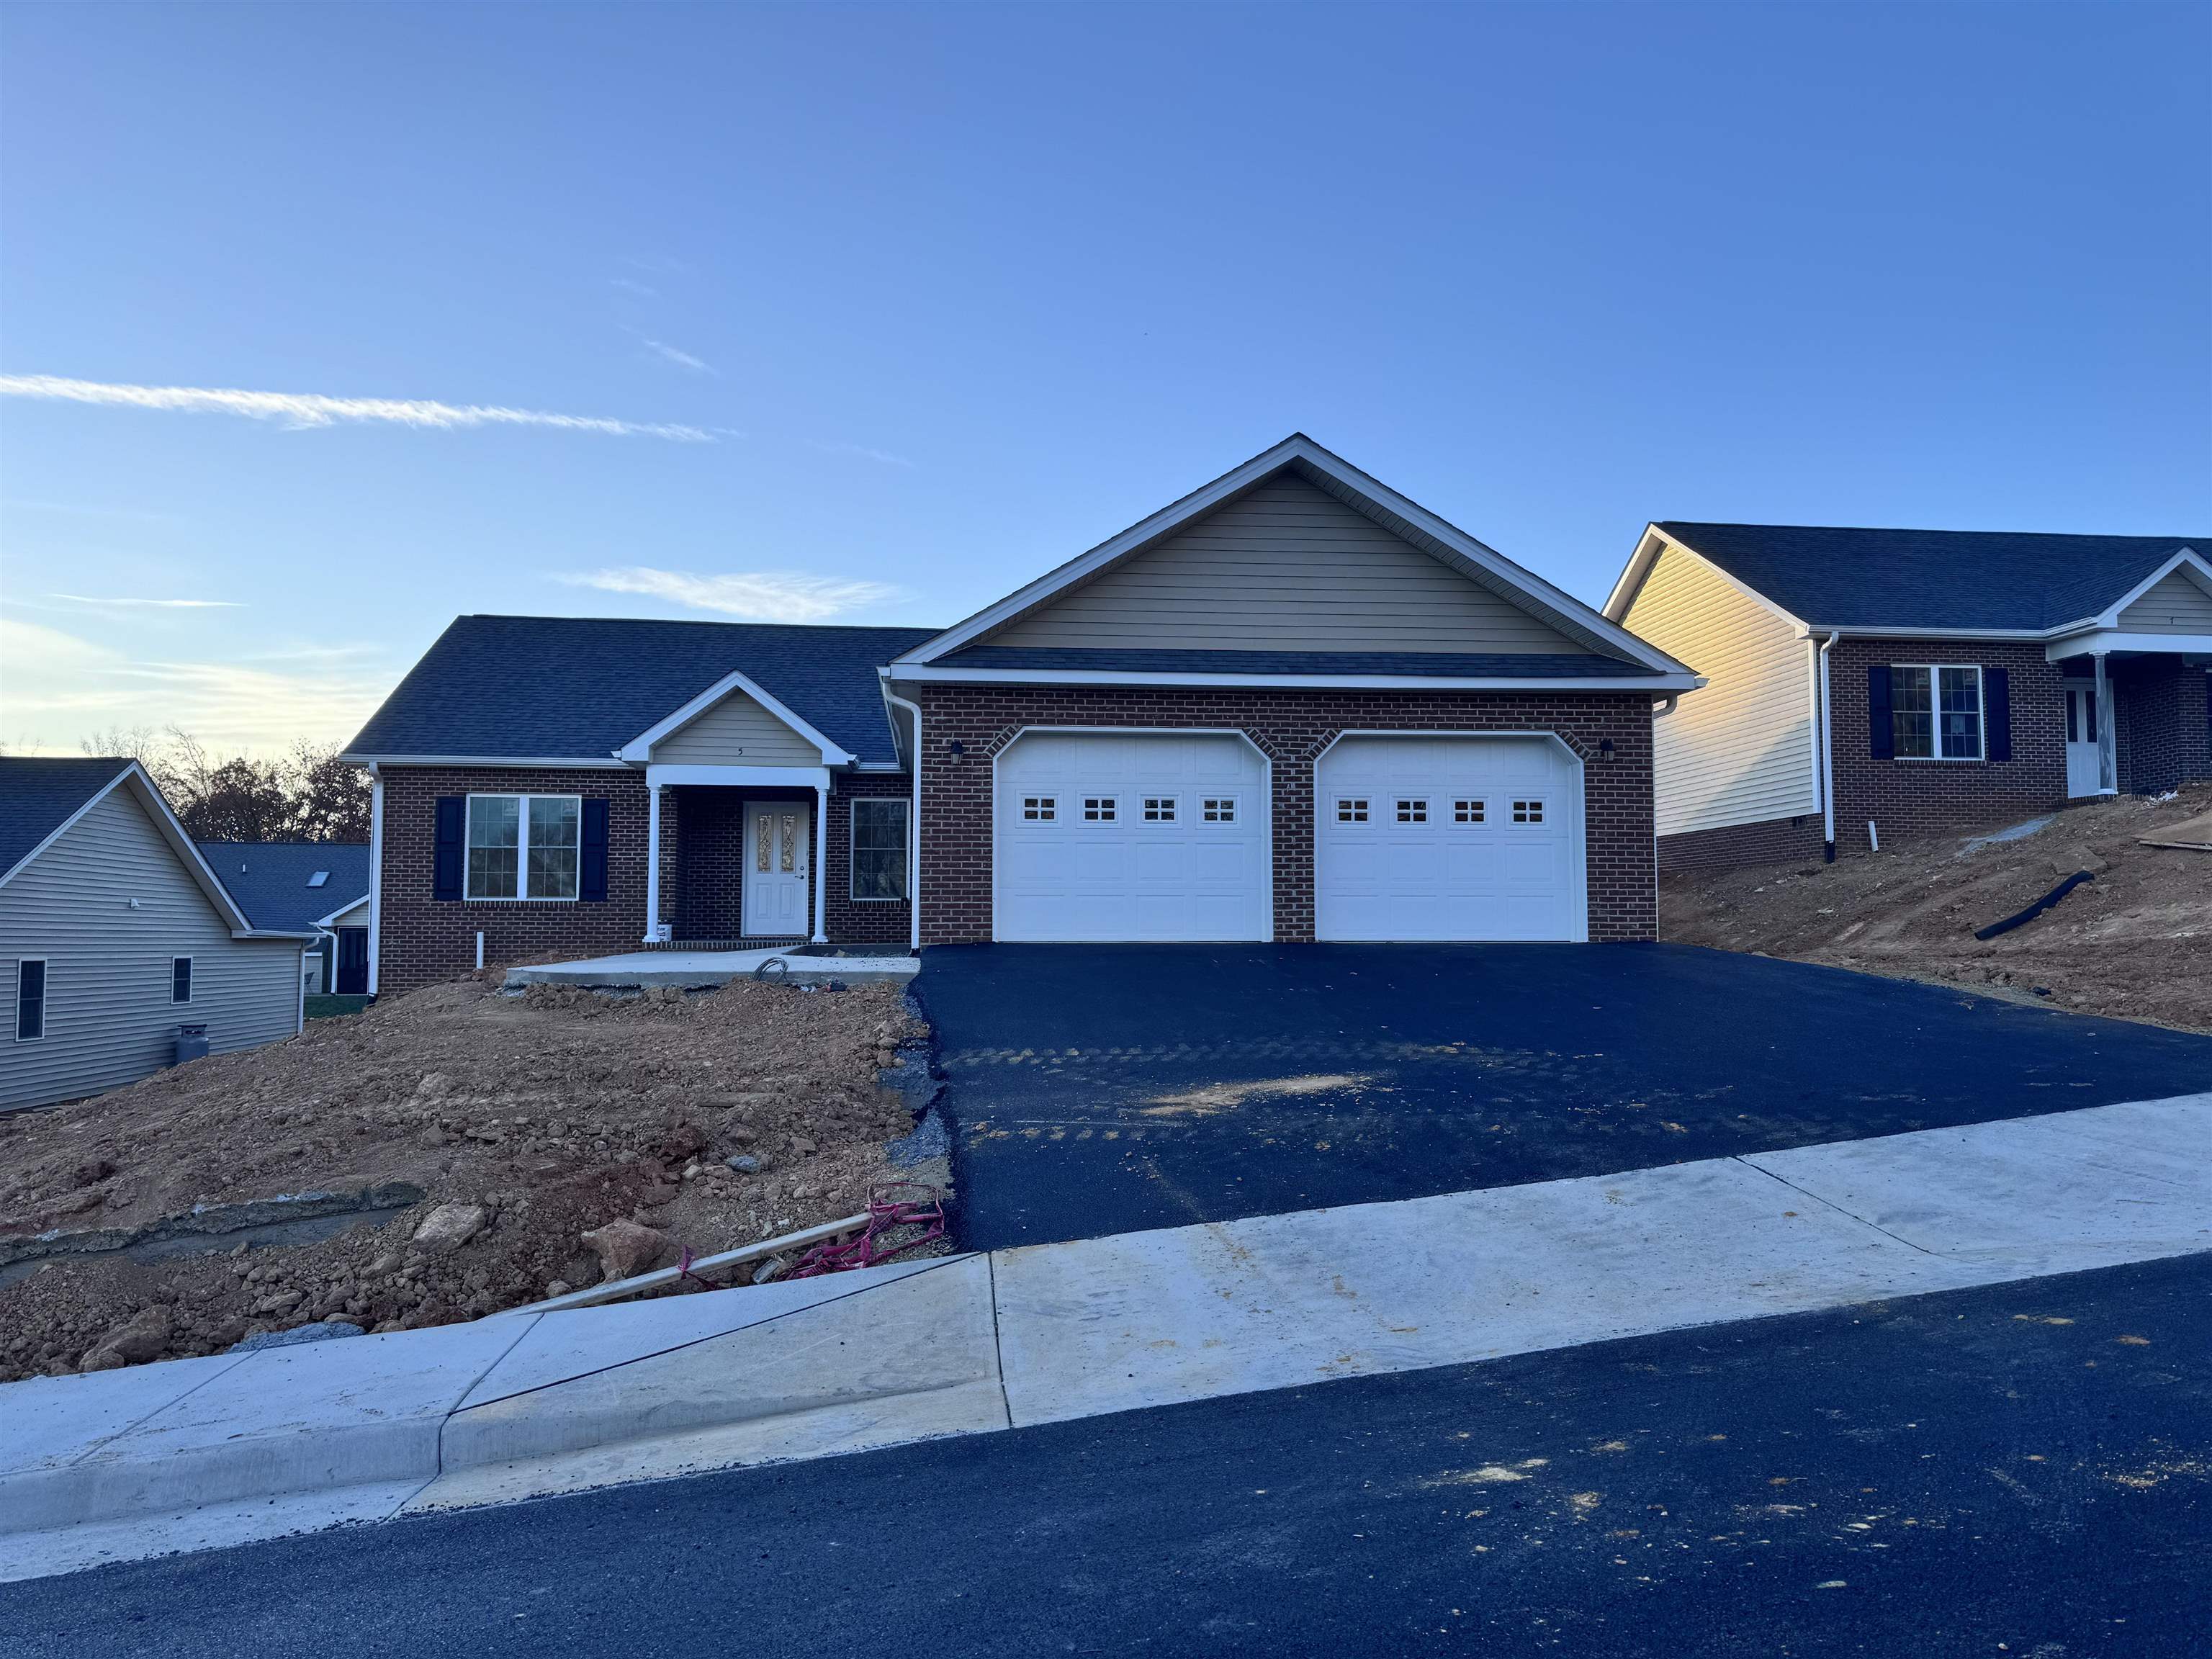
[(526, 1120), (2134, 943)]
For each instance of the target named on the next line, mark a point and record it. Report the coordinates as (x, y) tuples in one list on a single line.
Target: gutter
[(914, 818)]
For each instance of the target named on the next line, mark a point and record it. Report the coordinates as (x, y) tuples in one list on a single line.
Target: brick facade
[(1774, 841), (1291, 727), (2162, 729), (423, 939)]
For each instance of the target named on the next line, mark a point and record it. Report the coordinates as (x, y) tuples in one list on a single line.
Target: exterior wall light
[(1605, 748)]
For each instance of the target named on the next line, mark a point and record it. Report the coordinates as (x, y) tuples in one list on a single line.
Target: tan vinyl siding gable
[(109, 1020), (2178, 603), (735, 731), (1284, 567), (1741, 750)]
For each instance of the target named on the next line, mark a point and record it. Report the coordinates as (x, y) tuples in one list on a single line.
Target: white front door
[(778, 834), (1449, 837), (2084, 764), (1131, 836)]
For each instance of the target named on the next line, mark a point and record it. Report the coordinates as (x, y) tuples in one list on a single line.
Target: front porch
[(2137, 721), (735, 860)]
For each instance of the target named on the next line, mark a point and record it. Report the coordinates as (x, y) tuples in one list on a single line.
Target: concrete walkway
[(704, 969), (198, 1453)]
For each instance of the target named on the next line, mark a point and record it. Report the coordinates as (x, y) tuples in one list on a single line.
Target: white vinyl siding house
[(110, 907), (735, 731), (1284, 567), (1741, 751), (2180, 603)]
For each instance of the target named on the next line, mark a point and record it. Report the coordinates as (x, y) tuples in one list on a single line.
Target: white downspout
[(1827, 759), (821, 873), (913, 824), (375, 880)]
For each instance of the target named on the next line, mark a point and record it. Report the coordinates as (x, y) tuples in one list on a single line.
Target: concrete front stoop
[(198, 1453)]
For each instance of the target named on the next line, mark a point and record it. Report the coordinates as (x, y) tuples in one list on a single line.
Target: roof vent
[(318, 878)]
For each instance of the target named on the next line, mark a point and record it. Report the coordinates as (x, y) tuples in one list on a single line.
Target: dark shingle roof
[(38, 795), (581, 687), (1953, 579), (269, 878), (1494, 665)]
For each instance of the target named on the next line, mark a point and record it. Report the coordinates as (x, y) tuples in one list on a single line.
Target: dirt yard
[(2136, 943), (524, 1122)]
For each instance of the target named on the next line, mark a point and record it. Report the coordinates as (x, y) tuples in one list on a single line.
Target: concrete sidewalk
[(198, 1453)]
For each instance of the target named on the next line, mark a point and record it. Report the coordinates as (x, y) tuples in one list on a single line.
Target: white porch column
[(821, 864), (2108, 771), (651, 863)]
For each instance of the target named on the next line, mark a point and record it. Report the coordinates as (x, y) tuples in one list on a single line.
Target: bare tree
[(308, 795), (329, 799)]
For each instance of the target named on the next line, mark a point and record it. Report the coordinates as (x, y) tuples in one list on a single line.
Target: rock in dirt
[(769, 1271), (142, 1337), (323, 1331), (743, 1163), (449, 1227), (625, 1248)]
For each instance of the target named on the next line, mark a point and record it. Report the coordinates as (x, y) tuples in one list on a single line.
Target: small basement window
[(30, 999), (180, 979)]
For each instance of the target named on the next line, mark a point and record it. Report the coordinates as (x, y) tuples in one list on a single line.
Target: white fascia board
[(1678, 682), (566, 763), (1823, 629), (639, 749), (1639, 566), (1302, 451), (272, 933), (2102, 640), (2187, 558), (739, 777)]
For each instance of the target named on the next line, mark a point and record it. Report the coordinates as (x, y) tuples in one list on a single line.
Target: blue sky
[(950, 293)]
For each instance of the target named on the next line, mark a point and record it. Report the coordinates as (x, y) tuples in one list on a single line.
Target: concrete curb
[(197, 1452)]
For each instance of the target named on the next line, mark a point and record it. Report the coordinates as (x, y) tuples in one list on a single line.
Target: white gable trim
[(332, 920), (1446, 542), (639, 749), (2187, 558), (142, 787), (1618, 603)]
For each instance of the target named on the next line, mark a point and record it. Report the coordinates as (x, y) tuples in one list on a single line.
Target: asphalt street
[(2024, 1470), (1108, 1089)]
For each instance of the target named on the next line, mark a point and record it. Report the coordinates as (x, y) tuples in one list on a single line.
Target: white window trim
[(191, 980), (852, 848), (45, 999), (522, 849), (1934, 670)]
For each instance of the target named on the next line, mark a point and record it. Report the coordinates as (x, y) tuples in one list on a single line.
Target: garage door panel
[(1173, 875), (1469, 871)]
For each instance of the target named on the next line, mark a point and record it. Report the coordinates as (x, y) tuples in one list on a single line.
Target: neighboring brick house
[(1292, 706), (1867, 682)]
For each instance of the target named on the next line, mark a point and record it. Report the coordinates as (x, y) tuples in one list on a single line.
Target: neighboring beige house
[(115, 935)]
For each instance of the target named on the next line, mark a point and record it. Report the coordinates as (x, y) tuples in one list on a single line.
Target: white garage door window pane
[(1150, 844), (1503, 863)]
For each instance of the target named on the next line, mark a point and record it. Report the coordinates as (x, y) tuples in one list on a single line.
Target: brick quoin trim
[(1772, 841), (1907, 798), (425, 939), (1291, 727)]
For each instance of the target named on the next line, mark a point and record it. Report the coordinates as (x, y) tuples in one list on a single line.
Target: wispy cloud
[(303, 409), (63, 688), (631, 285), (755, 596), (865, 454), (669, 354), (115, 601)]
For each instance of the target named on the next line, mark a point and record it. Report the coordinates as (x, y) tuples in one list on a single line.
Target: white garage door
[(1448, 838), (1139, 835)]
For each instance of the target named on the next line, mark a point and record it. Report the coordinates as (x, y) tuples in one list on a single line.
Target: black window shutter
[(1881, 735), (445, 860), (1996, 709), (591, 881)]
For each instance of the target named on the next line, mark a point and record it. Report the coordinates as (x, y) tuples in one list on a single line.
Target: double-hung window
[(523, 847), (879, 849), (180, 979), (1935, 711)]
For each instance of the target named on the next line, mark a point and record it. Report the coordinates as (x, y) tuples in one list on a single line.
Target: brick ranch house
[(1292, 706), (1864, 682)]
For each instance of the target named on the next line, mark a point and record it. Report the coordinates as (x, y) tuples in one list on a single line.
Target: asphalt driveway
[(1103, 1089)]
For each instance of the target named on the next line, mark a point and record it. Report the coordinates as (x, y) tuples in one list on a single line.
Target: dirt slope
[(2136, 943), (550, 1114)]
